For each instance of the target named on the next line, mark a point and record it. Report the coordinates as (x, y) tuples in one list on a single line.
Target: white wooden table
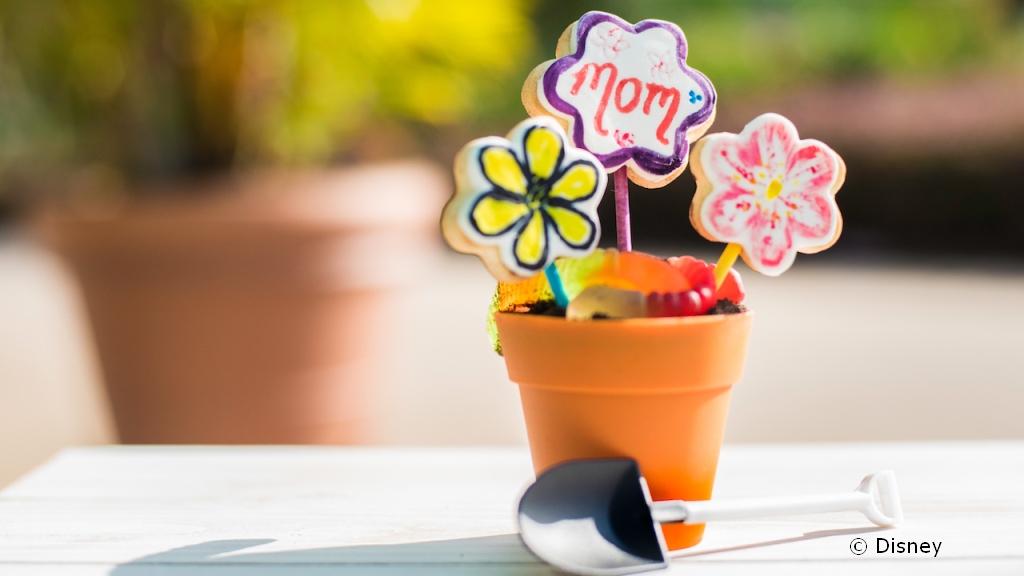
[(141, 511)]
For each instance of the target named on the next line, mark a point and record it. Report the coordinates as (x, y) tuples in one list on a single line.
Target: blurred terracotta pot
[(255, 311), (656, 390)]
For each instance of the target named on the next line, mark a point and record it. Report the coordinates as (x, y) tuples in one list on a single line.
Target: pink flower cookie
[(625, 94), (767, 191)]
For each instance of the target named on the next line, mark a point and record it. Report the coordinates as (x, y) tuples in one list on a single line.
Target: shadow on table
[(807, 536), (489, 555), (498, 555)]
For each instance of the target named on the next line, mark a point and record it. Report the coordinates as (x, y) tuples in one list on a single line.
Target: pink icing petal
[(770, 245), (811, 218), (766, 149), (775, 143), (811, 168), (727, 159), (730, 213)]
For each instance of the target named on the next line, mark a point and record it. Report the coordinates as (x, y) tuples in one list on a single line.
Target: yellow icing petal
[(494, 215), (579, 181), (531, 242), (572, 226), (543, 151), (502, 168)]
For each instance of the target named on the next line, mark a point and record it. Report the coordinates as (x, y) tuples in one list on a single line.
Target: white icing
[(477, 184), (771, 192), (648, 59)]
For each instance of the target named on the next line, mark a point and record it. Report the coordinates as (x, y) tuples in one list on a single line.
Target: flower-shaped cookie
[(768, 191), (626, 94), (523, 201)]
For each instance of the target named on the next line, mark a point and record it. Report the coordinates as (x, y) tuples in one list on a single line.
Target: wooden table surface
[(136, 511)]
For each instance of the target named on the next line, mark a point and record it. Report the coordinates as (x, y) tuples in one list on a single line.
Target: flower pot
[(656, 390), (253, 310)]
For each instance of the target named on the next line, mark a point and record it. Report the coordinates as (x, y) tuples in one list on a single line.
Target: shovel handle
[(700, 511), (882, 484)]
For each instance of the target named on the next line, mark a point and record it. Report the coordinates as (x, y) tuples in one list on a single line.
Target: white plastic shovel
[(596, 517)]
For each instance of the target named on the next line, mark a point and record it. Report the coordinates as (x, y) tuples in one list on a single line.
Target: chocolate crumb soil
[(549, 308), (726, 306)]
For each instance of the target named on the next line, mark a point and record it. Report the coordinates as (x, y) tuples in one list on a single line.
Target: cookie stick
[(557, 287), (726, 262), (623, 236)]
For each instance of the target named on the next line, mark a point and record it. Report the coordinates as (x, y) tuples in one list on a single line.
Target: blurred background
[(218, 218)]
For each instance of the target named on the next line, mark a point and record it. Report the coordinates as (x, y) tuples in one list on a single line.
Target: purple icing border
[(648, 160)]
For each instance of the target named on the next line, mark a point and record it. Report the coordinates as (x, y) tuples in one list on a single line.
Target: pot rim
[(562, 355), (667, 321)]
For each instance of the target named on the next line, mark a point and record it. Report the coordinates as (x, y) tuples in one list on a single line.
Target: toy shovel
[(596, 517)]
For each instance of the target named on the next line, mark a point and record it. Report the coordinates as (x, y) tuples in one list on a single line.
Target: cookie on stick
[(766, 193), (524, 200), (625, 93)]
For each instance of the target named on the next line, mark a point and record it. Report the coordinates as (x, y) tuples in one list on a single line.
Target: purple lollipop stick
[(625, 240)]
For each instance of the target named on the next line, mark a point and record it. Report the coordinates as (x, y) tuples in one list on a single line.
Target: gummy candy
[(640, 272), (522, 296), (635, 285), (731, 288), (607, 302), (701, 277)]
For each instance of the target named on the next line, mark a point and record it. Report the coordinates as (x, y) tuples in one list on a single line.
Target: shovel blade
[(592, 517)]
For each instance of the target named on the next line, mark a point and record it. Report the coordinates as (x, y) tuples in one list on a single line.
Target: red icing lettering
[(613, 74), (637, 89), (667, 98), (670, 114)]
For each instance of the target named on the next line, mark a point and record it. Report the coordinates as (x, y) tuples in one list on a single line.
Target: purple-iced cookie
[(625, 94)]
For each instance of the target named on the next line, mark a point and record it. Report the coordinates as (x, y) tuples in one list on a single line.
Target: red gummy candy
[(731, 288), (702, 276), (692, 304), (655, 305), (702, 279), (673, 304)]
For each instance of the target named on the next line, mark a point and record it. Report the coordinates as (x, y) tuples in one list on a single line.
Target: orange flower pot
[(653, 389)]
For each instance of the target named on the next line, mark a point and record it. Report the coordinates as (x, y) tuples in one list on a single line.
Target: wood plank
[(273, 510)]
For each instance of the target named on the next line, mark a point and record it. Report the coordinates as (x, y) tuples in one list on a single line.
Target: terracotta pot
[(256, 311), (656, 390)]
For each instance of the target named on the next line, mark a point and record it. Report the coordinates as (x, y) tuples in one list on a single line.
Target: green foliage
[(185, 85), (767, 45), (168, 86), (396, 59)]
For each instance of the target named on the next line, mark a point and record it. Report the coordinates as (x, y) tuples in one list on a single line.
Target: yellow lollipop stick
[(725, 262)]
